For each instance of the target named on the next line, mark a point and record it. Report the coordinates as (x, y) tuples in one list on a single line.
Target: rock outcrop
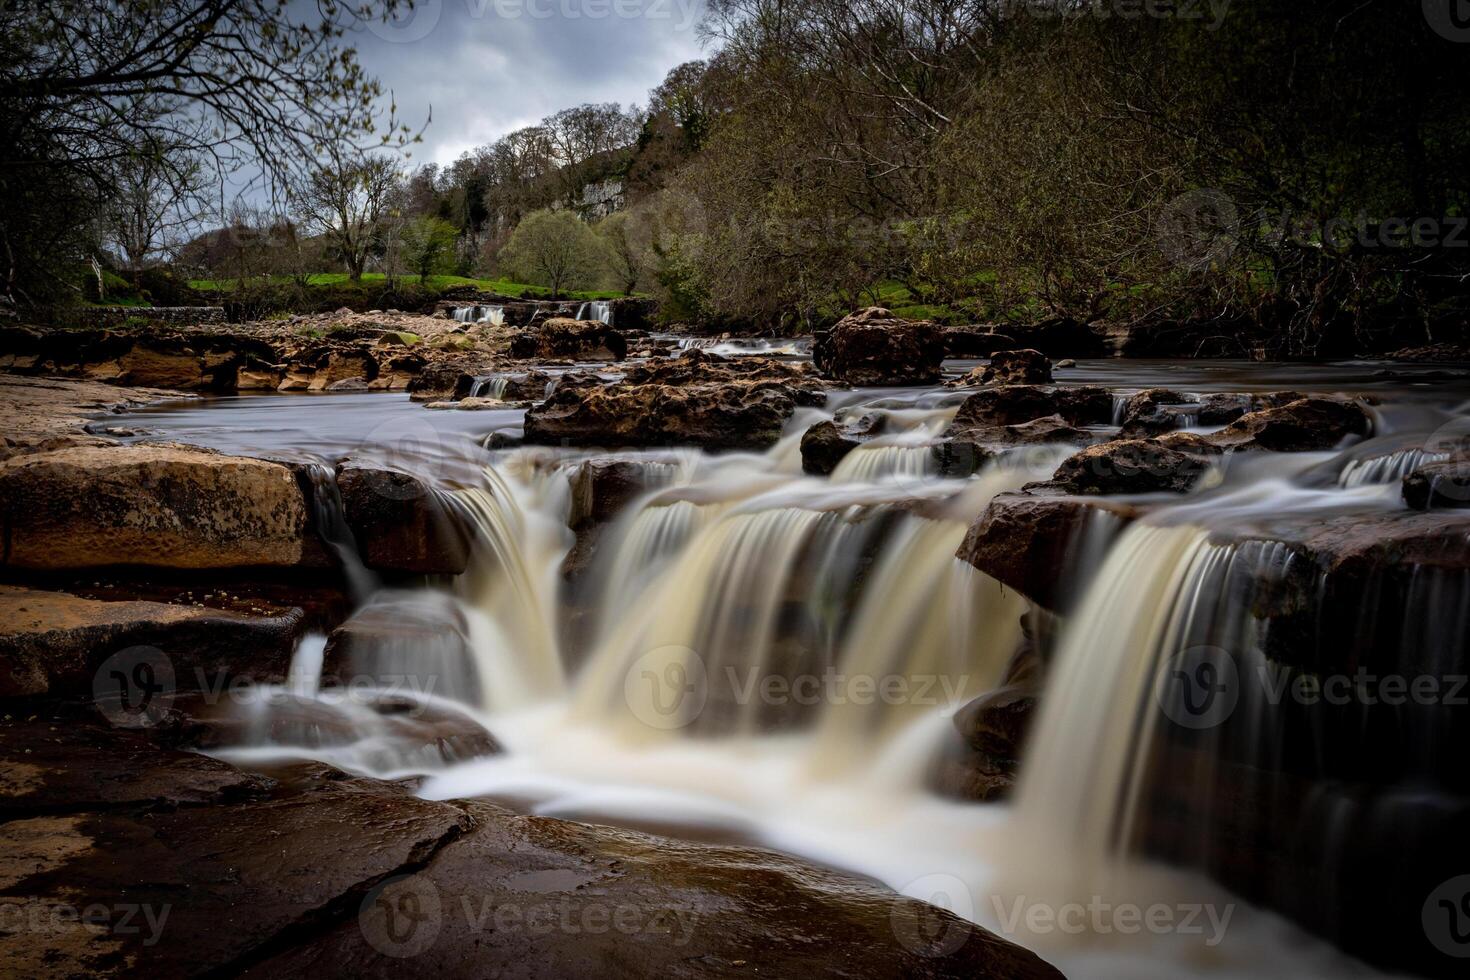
[(159, 506), (563, 337), (52, 643), (711, 416), (872, 347), (400, 523)]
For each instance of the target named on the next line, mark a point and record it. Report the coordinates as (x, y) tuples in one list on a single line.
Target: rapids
[(765, 657)]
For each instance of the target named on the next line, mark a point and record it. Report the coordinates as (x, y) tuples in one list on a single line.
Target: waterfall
[(493, 315), (490, 386), (596, 310), (335, 535)]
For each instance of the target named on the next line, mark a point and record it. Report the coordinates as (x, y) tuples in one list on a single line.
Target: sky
[(487, 67)]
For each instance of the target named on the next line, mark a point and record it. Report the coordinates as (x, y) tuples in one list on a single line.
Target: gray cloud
[(490, 66)]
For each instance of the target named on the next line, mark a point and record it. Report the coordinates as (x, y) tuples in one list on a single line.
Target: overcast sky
[(491, 66)]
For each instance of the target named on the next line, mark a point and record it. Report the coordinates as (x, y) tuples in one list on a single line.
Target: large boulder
[(160, 506), (1304, 425), (713, 416), (1062, 337), (400, 523), (1017, 404), (54, 642), (873, 347), (563, 337), (1017, 367), (1028, 542), (800, 380), (1155, 411)]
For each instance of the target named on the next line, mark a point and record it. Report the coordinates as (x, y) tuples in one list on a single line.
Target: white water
[(737, 567), (595, 310), (493, 315)]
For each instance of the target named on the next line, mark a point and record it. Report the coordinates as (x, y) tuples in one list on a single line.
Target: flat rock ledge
[(312, 872)]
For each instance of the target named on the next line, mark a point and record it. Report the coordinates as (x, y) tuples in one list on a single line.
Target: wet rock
[(161, 506), (996, 723), (1018, 404), (61, 764), (648, 906), (603, 486), (1130, 466), (349, 384), (1441, 484), (975, 341), (1155, 411), (54, 642), (713, 416), (825, 444), (1305, 425), (582, 340), (400, 523), (320, 873), (381, 731), (874, 347), (1017, 367), (1028, 541)]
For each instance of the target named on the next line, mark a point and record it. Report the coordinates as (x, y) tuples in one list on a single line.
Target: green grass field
[(502, 286)]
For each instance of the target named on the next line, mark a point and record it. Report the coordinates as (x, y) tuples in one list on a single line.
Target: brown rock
[(1129, 466), (582, 340), (54, 642), (825, 444), (161, 506), (1305, 425), (1027, 541), (1017, 367), (400, 523), (873, 347), (714, 416), (975, 341), (1017, 404)]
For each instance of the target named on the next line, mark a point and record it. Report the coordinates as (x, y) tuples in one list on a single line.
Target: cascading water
[(740, 620), (493, 315), (600, 310)]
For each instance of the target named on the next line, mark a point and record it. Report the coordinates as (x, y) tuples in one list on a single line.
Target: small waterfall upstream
[(493, 315), (600, 310)]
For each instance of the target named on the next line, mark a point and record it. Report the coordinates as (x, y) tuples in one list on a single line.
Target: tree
[(156, 195), (428, 245), (346, 198), (554, 249), (626, 253), (233, 83), (582, 136)]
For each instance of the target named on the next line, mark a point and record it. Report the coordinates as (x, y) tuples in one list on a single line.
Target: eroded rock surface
[(160, 506), (874, 347)]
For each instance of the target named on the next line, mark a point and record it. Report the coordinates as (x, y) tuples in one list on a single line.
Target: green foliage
[(555, 249)]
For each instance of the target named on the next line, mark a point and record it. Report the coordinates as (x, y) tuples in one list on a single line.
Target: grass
[(503, 286)]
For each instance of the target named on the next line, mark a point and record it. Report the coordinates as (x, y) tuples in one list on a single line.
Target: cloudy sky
[(490, 66)]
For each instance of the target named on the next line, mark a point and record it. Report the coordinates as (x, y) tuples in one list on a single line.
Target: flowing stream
[(760, 656)]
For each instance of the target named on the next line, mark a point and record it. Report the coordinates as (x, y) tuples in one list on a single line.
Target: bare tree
[(346, 199), (157, 194)]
